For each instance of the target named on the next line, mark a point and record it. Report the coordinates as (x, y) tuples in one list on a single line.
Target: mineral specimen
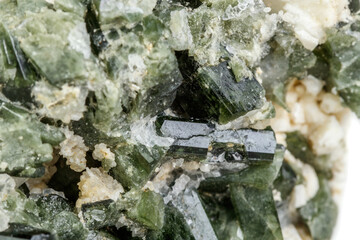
[(174, 119)]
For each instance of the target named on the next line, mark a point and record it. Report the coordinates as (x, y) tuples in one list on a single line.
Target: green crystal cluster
[(155, 117)]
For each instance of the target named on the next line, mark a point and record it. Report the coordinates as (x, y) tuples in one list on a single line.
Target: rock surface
[(174, 119)]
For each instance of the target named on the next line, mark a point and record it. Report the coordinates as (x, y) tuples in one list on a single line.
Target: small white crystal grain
[(103, 154), (179, 26), (330, 103), (313, 85), (310, 18), (327, 136), (74, 150), (299, 197), (65, 104), (96, 185)]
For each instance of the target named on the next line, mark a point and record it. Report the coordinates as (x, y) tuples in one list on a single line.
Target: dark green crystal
[(256, 212), (175, 227), (300, 147), (135, 163), (143, 207), (285, 180), (214, 92), (221, 214), (340, 53), (320, 212)]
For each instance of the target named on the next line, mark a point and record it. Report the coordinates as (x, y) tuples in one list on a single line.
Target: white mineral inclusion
[(79, 40), (74, 150), (311, 181), (179, 26), (310, 18), (103, 153), (313, 85), (143, 131), (236, 11), (268, 29), (7, 186), (180, 184), (327, 136), (178, 188), (330, 103), (143, 7), (96, 185), (137, 71), (66, 104), (110, 5)]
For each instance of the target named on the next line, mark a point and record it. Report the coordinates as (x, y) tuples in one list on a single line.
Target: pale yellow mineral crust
[(104, 154), (66, 104), (96, 185), (74, 150)]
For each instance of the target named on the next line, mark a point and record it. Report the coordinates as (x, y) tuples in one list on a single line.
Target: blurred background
[(348, 221)]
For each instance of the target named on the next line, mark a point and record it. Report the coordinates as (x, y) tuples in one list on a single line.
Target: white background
[(348, 225)]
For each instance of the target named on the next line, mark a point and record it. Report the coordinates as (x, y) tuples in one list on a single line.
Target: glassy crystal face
[(174, 119)]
